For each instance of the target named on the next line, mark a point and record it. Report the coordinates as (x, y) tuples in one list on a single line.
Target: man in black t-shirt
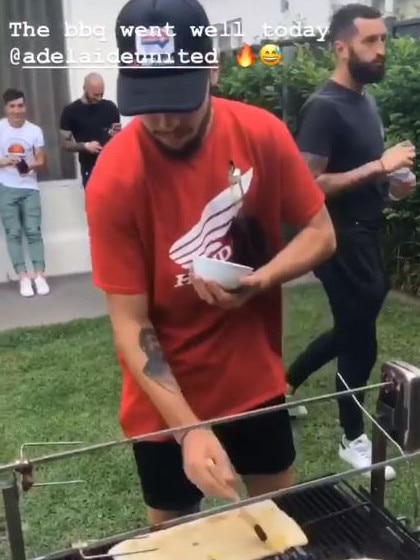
[(341, 136), (87, 124)]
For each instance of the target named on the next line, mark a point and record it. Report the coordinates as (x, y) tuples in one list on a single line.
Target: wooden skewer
[(258, 530), (249, 518)]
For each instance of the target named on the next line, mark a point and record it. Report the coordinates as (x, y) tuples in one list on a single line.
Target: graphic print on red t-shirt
[(209, 236), (156, 216)]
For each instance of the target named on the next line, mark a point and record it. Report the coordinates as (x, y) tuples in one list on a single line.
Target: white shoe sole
[(27, 295), (298, 411), (390, 473)]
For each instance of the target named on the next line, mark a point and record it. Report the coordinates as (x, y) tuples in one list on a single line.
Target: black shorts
[(258, 445)]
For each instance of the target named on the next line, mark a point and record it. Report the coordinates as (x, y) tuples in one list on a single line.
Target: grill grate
[(340, 523)]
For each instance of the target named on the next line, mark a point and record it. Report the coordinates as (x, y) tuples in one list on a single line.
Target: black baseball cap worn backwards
[(159, 70)]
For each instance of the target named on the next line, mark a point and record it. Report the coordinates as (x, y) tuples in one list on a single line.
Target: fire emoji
[(245, 57)]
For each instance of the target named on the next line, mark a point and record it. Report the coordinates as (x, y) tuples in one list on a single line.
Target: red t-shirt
[(149, 215)]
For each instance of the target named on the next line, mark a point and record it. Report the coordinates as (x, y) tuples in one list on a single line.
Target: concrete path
[(72, 297)]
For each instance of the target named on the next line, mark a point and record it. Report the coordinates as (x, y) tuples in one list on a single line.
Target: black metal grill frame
[(340, 523)]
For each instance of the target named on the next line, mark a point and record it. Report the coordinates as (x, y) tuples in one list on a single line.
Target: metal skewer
[(144, 532), (414, 485), (10, 467), (390, 381), (24, 467), (98, 556)]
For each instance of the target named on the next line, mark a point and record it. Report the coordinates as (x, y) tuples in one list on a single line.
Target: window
[(46, 91), (410, 28), (230, 35)]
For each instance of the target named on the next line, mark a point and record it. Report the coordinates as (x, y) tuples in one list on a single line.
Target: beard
[(191, 146), (92, 100), (364, 73)]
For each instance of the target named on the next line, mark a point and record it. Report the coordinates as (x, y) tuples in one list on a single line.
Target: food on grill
[(223, 536), (261, 534), (250, 519)]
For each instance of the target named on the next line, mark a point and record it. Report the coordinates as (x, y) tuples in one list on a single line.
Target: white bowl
[(226, 274)]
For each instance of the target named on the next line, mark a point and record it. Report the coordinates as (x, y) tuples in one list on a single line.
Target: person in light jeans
[(21, 156)]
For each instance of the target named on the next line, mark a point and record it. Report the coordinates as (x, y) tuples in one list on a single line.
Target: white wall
[(255, 15), (64, 226), (99, 14), (64, 222), (408, 8)]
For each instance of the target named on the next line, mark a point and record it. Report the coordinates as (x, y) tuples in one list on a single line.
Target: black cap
[(163, 66)]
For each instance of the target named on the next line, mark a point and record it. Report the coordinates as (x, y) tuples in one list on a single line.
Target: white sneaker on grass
[(358, 454)]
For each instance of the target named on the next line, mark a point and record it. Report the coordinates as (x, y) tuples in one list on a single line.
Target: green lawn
[(62, 383)]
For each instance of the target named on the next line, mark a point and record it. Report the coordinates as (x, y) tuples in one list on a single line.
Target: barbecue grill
[(340, 522)]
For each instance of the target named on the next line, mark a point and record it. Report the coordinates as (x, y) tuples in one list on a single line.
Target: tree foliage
[(284, 88)]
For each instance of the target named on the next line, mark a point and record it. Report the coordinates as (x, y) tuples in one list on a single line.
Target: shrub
[(284, 88)]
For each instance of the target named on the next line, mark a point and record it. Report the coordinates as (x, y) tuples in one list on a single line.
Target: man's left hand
[(213, 294)]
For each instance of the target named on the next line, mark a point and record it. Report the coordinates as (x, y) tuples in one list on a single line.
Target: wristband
[(182, 438), (184, 435)]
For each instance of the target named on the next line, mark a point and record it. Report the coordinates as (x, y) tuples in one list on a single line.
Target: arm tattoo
[(317, 164), (335, 183), (156, 366), (69, 142)]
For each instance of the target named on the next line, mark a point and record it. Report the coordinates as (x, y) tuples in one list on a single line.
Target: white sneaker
[(41, 286), (298, 411), (25, 287), (358, 454)]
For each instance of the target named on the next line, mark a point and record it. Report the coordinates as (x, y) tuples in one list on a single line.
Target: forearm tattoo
[(317, 164), (156, 367), (69, 142)]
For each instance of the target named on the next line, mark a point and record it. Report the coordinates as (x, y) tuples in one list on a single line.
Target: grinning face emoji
[(270, 55)]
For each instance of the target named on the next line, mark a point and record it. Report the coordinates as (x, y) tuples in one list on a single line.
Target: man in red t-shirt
[(162, 191)]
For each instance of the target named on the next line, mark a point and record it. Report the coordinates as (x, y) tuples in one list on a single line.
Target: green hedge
[(284, 88)]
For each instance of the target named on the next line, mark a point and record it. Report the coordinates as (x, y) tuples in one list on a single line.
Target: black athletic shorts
[(258, 445)]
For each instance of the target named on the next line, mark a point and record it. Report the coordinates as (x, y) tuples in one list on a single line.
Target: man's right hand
[(93, 147), (8, 161), (399, 156), (207, 465)]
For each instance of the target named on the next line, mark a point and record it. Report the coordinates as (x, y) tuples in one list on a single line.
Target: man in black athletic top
[(88, 123), (341, 135)]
